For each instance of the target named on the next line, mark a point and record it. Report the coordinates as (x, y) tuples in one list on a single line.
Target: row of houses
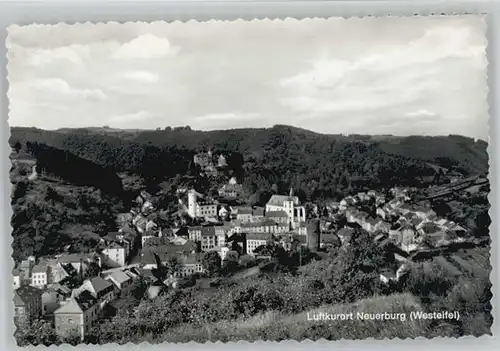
[(71, 310)]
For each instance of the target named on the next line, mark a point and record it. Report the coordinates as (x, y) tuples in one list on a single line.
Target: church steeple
[(291, 191)]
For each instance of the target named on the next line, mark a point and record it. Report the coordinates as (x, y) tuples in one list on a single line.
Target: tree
[(17, 146), (39, 332), (173, 266), (211, 262)]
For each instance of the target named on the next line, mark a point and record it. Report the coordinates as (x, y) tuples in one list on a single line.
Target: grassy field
[(275, 326)]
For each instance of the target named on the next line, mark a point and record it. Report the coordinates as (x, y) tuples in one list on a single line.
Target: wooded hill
[(273, 159)]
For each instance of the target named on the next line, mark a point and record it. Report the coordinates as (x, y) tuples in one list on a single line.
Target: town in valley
[(208, 238)]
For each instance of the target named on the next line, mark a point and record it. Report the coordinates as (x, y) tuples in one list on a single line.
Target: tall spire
[(291, 191)]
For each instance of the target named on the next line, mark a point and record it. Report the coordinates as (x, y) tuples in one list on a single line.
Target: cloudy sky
[(417, 75)]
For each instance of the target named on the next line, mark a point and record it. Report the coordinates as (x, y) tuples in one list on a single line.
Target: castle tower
[(192, 204)]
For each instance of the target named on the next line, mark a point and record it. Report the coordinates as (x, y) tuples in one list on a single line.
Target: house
[(290, 205), (369, 223), (27, 304), (428, 228), (346, 202), (123, 218), (77, 315), (120, 279), (151, 225), (203, 159), (380, 199), (100, 288), (17, 278), (224, 212), (40, 276), (114, 255), (258, 214), (190, 264), (254, 240), (423, 212), (200, 208), (52, 298), (79, 261), (345, 234), (25, 268), (372, 193), (381, 212), (405, 208), (265, 226), (329, 240), (244, 214), (208, 238), (410, 240), (382, 226), (301, 228), (231, 190), (387, 276), (139, 222), (277, 216), (57, 272), (194, 233), (147, 207)]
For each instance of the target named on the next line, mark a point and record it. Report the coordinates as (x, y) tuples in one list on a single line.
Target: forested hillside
[(273, 159)]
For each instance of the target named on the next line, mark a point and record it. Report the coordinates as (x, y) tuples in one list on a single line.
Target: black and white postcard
[(250, 180)]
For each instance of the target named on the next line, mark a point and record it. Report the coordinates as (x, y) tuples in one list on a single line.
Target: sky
[(394, 75)]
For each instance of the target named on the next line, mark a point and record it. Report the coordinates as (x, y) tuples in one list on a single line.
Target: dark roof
[(85, 300), (112, 236), (258, 224), (99, 284), (276, 214), (73, 258), (245, 210), (25, 293), (39, 269), (299, 238), (259, 236), (114, 245), (258, 211), (149, 257), (207, 231), (345, 232), (329, 238), (193, 228)]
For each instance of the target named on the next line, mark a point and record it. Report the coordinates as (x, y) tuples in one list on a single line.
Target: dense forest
[(276, 158)]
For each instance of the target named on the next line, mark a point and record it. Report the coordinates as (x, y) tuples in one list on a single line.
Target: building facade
[(288, 204)]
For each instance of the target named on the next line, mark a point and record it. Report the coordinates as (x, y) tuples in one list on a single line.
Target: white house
[(254, 240), (114, 255), (40, 276), (120, 279)]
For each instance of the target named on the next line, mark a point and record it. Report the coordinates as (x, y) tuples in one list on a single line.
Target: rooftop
[(276, 214), (259, 236), (40, 268), (119, 277), (23, 294), (279, 200), (99, 284)]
